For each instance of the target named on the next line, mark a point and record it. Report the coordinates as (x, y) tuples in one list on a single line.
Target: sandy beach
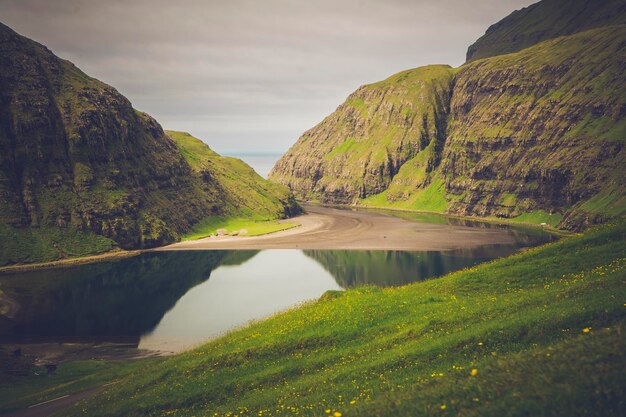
[(333, 228)]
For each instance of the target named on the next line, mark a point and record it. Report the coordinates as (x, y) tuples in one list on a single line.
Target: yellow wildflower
[(586, 329), (337, 414), (474, 372), (443, 406)]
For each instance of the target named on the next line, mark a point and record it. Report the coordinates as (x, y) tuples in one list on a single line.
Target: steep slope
[(357, 150), (545, 20), (541, 129), (244, 192), (539, 133), (81, 171)]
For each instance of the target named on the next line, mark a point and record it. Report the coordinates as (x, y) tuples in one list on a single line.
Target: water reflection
[(171, 300), (270, 282), (112, 301), (393, 268)]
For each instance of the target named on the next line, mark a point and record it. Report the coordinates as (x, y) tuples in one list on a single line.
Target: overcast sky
[(250, 74)]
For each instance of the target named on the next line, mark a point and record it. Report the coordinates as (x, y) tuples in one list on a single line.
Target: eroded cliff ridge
[(381, 129), (541, 129), (535, 135), (547, 19), (82, 171)]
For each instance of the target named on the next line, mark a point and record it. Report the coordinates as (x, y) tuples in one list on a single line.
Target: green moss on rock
[(538, 130), (78, 161)]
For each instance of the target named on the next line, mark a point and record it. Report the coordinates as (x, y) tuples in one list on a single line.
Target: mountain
[(359, 149), (536, 135), (241, 190), (82, 171), (545, 20)]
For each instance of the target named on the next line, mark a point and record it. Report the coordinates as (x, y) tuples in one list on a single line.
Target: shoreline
[(490, 220), (230, 242), (60, 263), (343, 228)]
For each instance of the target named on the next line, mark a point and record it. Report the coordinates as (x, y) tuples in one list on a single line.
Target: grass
[(197, 153), (538, 333), (245, 193), (610, 202), (210, 226), (21, 245), (538, 217), (70, 377), (343, 148), (431, 198)]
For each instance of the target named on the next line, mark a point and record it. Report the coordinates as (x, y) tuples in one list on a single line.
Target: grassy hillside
[(246, 192), (547, 19), (82, 171), (48, 243), (381, 128), (536, 136), (251, 203), (539, 333), (550, 137)]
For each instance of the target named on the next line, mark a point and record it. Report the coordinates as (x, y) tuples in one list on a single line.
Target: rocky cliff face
[(537, 135), (547, 19), (541, 129), (359, 149), (77, 156)]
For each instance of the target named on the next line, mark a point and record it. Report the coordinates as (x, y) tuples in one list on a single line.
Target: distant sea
[(262, 162)]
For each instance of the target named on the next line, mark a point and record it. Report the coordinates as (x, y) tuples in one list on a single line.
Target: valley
[(450, 241)]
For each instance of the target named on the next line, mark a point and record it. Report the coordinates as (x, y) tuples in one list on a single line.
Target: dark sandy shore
[(331, 228), (325, 228)]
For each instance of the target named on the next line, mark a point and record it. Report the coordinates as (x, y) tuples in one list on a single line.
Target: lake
[(173, 300)]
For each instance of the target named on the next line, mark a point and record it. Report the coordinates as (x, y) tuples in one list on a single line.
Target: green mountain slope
[(81, 171), (382, 127), (541, 129), (545, 20), (539, 333), (537, 135), (245, 193)]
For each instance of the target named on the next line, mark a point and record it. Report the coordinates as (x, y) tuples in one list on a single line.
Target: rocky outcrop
[(537, 131), (361, 147), (76, 155), (547, 19), (541, 129)]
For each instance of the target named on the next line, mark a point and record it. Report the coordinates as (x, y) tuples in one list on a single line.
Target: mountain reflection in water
[(169, 301)]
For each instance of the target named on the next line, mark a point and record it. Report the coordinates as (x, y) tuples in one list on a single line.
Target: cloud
[(249, 74)]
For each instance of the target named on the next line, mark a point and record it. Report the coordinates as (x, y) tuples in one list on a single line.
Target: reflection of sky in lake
[(269, 282), (169, 301)]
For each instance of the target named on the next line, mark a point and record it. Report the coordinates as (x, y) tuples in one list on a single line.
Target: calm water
[(169, 301)]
